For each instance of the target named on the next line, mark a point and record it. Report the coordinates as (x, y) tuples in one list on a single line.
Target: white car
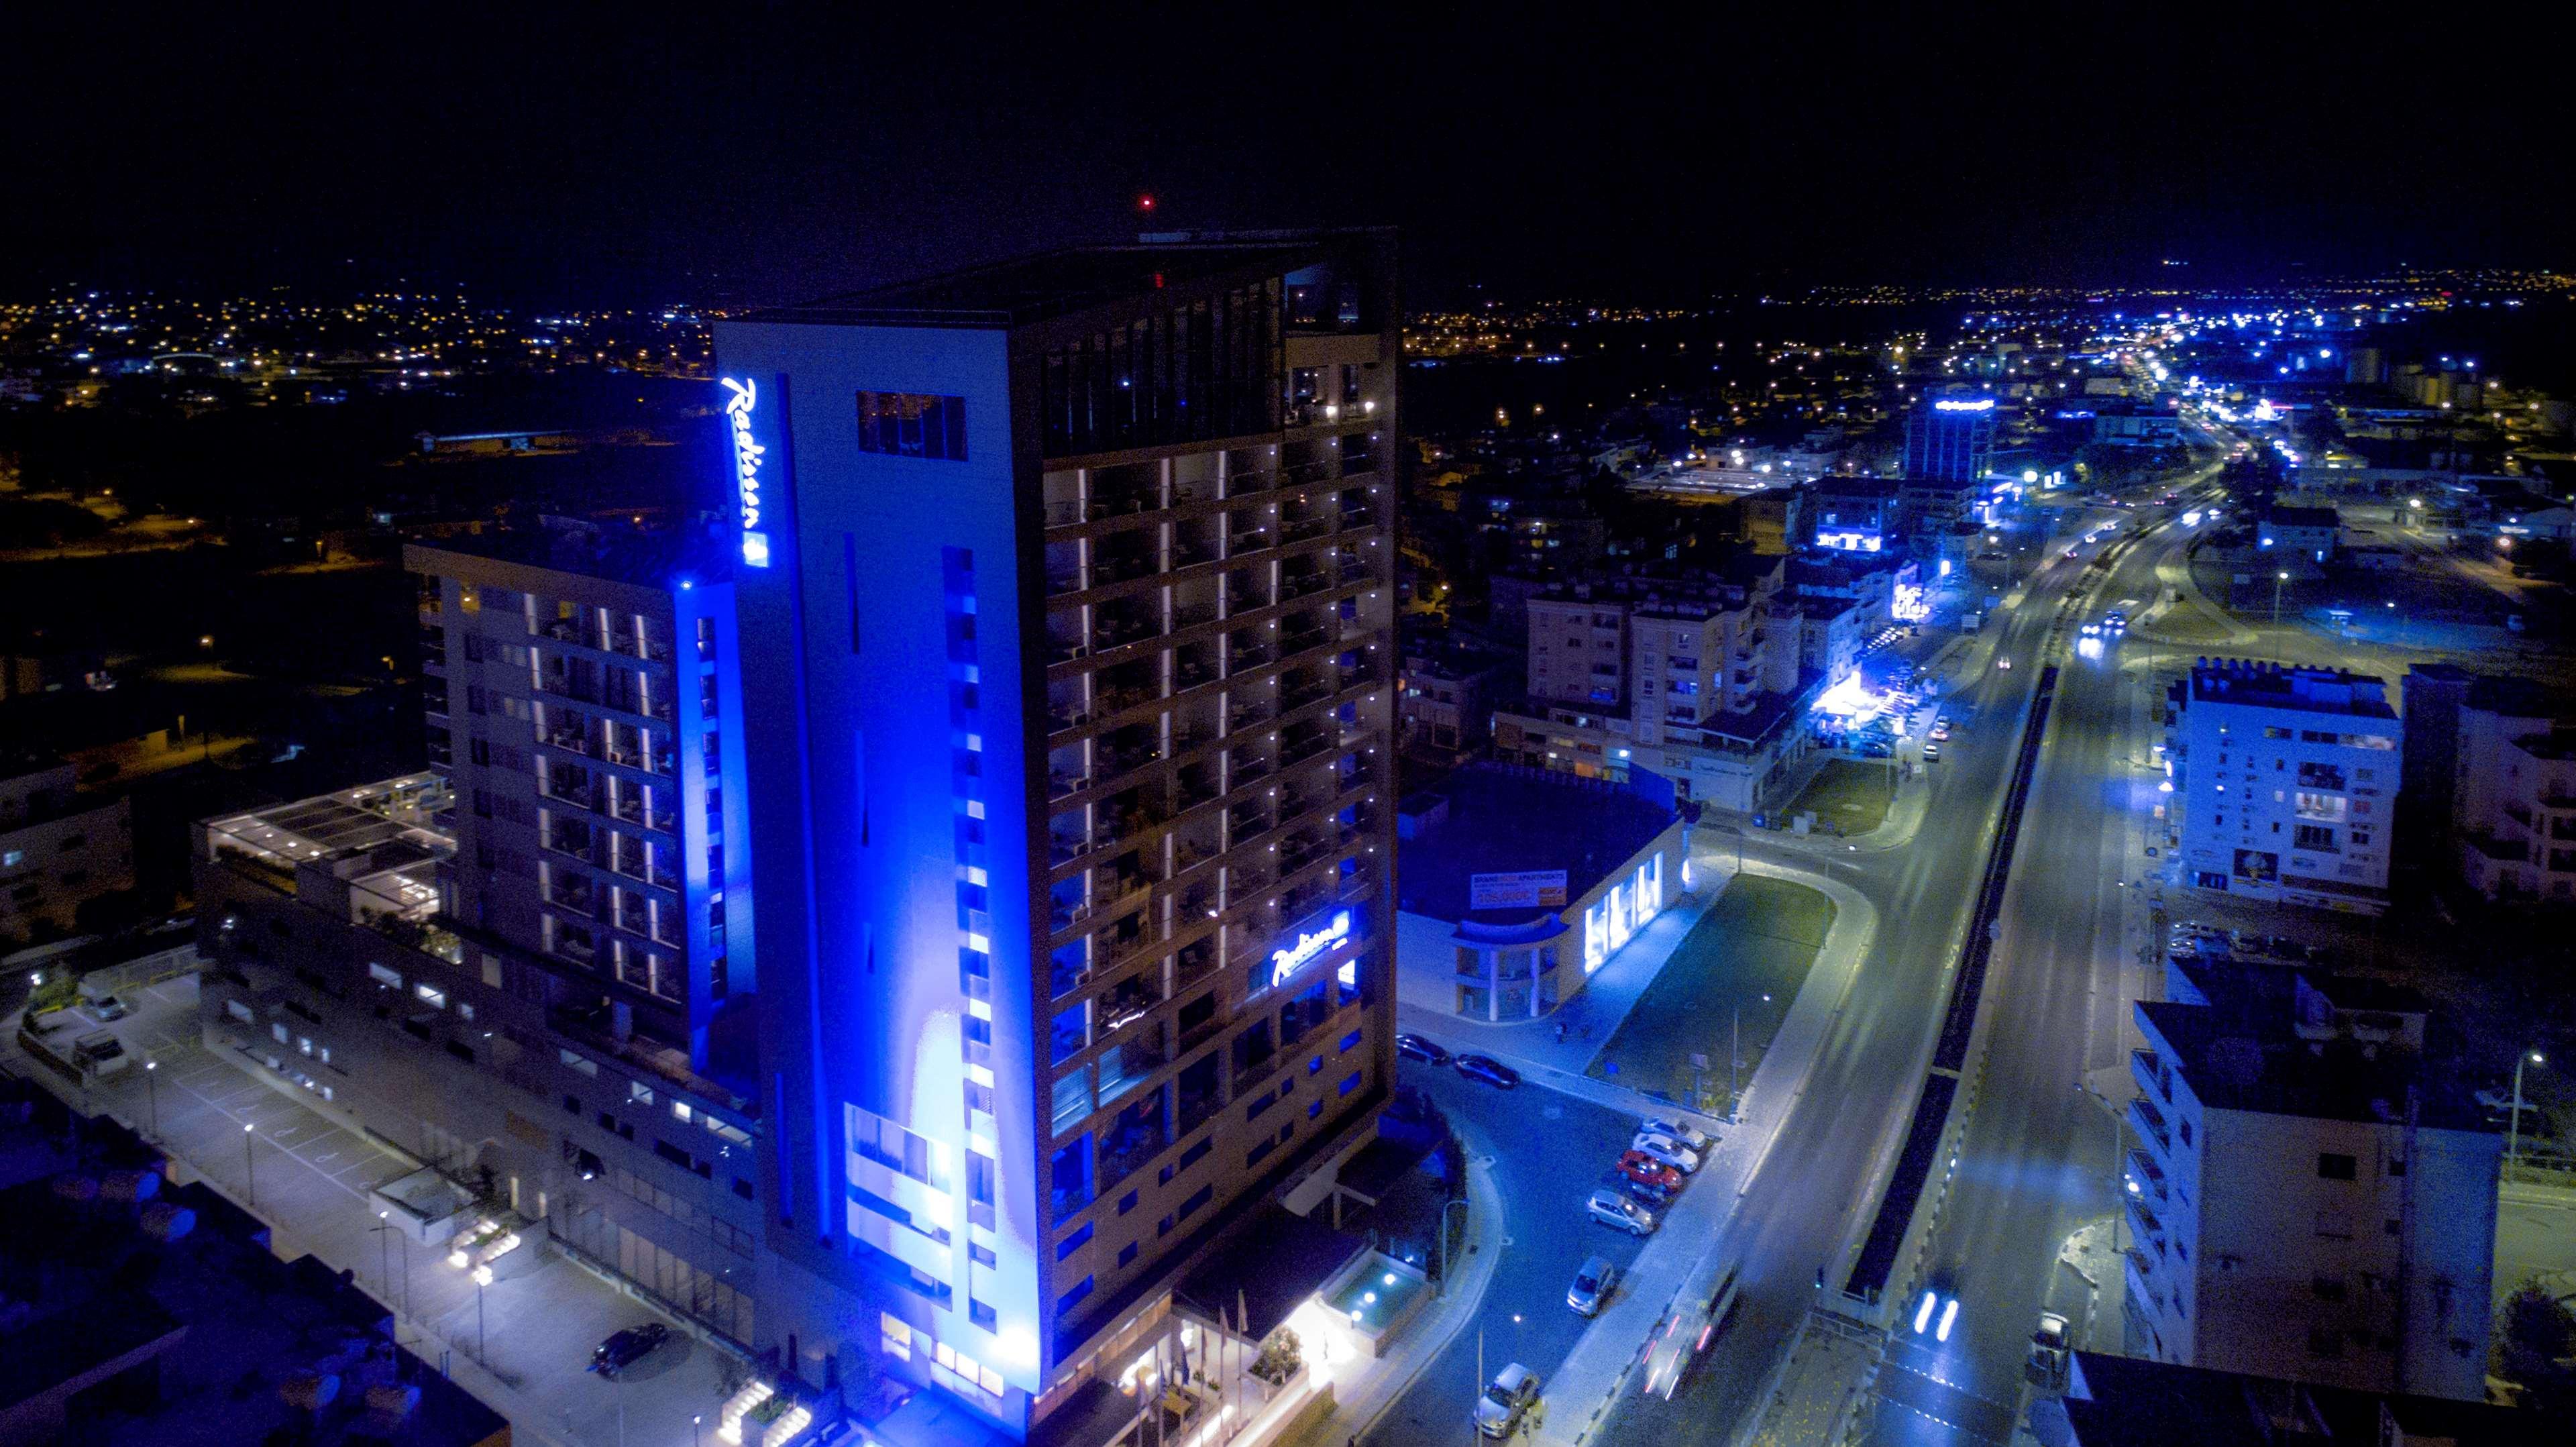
[(1667, 1150), (1613, 1208), (1506, 1399), (1696, 1139)]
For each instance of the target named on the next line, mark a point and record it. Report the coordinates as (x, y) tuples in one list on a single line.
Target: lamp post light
[(152, 1088), (2513, 1131), (693, 1429), (384, 1254), (2278, 578), (482, 1278), (250, 1168)]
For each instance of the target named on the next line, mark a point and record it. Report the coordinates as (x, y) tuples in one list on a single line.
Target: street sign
[(1524, 889)]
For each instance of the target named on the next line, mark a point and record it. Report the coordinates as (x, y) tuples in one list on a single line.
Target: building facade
[(1070, 582), (58, 847), (2514, 801), (2287, 780), (1697, 679), (2310, 1196), (1950, 439)]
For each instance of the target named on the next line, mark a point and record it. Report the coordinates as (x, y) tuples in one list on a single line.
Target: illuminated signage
[(1289, 961), (1982, 404), (747, 454)]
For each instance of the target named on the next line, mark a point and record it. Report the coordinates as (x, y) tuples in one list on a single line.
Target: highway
[(2037, 1159)]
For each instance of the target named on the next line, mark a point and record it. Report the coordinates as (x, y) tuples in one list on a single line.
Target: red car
[(1641, 1167)]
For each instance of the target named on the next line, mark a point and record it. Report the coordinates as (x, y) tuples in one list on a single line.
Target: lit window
[(384, 976), (431, 996)]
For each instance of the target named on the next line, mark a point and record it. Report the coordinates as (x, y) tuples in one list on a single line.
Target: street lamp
[(2278, 579), (2513, 1132), (482, 1278), (152, 1087), (250, 1168)]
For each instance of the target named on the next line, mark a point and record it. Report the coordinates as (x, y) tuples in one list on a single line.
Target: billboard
[(1525, 889)]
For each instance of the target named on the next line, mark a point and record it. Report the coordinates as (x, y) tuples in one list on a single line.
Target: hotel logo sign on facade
[(747, 455), (1286, 962)]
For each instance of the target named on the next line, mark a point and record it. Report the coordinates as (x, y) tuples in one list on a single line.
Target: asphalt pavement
[(1548, 1150)]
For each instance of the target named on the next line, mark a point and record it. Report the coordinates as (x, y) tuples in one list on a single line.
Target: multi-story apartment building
[(2497, 757), (2311, 1195), (1696, 678), (518, 965), (2287, 780), (585, 705), (1069, 582), (58, 847)]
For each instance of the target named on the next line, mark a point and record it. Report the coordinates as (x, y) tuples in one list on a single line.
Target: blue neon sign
[(747, 456), (1309, 946)]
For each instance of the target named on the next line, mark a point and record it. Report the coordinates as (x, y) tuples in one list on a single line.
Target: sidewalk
[(1598, 1367), (1358, 1405), (309, 1178)]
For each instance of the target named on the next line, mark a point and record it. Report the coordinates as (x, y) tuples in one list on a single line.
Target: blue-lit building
[(1067, 589), (1950, 438)]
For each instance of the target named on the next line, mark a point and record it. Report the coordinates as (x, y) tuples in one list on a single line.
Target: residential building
[(2136, 425), (2305, 532), (2287, 780), (1447, 698), (58, 847), (2117, 1401), (2514, 792), (584, 703), (1511, 874), (1695, 678), (517, 965), (2313, 1191), (1070, 584), (1829, 636)]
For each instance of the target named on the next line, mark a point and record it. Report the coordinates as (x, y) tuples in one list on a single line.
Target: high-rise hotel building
[(1066, 610)]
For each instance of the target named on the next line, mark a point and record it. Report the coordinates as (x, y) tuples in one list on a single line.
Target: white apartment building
[(2287, 782), (2514, 804), (1697, 679), (57, 848), (2310, 1196)]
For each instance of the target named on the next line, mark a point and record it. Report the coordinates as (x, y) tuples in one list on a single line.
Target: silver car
[(1611, 1208), (1591, 1288), (1667, 1150)]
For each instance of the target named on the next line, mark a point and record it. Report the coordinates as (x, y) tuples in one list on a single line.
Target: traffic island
[(1704, 1022)]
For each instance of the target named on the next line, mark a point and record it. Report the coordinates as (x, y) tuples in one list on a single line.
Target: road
[(1547, 1150), (2038, 1157)]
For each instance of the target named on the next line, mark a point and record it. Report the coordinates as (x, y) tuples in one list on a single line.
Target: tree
[(2533, 1346)]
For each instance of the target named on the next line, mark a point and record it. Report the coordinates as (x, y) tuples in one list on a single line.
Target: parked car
[(1486, 1068), (1416, 1048), (1666, 1149), (104, 1008), (1639, 1166), (628, 1347), (1613, 1208), (1648, 1193), (2046, 1368), (1689, 1135), (1592, 1283), (1507, 1399), (1932, 753)]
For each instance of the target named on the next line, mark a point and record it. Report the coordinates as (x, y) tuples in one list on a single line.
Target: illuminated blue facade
[(1068, 666)]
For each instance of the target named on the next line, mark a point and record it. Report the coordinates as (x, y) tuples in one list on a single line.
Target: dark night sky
[(749, 152)]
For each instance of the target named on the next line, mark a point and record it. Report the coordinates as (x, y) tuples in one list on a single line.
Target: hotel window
[(913, 424), (897, 1337)]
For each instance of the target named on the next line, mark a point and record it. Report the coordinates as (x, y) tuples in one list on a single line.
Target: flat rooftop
[(1033, 288), (2256, 684), (2130, 1402), (392, 824), (1505, 819), (2248, 1049), (647, 557)]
